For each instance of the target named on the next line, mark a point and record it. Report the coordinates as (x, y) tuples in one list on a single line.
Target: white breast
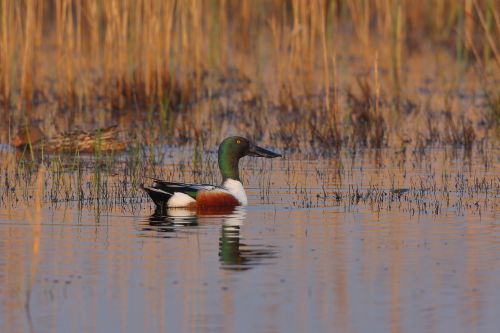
[(236, 189), (179, 200)]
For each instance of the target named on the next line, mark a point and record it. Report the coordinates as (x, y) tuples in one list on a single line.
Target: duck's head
[(27, 135), (235, 147)]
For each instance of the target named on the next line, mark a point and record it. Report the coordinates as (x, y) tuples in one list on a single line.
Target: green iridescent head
[(235, 147)]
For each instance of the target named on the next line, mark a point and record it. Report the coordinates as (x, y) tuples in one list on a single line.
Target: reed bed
[(438, 182), (305, 74)]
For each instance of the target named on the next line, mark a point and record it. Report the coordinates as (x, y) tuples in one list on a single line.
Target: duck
[(104, 139), (231, 193)]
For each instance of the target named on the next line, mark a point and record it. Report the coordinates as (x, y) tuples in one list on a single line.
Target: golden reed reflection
[(196, 260)]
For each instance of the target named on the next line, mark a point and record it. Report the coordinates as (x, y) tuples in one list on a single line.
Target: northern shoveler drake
[(104, 139), (203, 196)]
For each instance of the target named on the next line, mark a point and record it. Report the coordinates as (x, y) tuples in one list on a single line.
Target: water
[(307, 255)]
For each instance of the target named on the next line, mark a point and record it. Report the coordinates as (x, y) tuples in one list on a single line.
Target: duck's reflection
[(234, 254)]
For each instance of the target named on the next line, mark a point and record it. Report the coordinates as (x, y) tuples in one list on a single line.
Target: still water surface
[(295, 260)]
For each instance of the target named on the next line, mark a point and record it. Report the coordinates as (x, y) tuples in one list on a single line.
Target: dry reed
[(147, 55)]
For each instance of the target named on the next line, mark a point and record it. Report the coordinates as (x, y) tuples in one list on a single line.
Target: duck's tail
[(159, 196)]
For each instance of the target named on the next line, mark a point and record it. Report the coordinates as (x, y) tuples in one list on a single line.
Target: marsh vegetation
[(302, 74), (385, 203)]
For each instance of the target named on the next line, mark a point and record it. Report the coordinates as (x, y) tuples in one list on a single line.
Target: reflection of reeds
[(35, 216)]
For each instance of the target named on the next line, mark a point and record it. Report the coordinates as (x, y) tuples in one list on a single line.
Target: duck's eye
[(238, 141)]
